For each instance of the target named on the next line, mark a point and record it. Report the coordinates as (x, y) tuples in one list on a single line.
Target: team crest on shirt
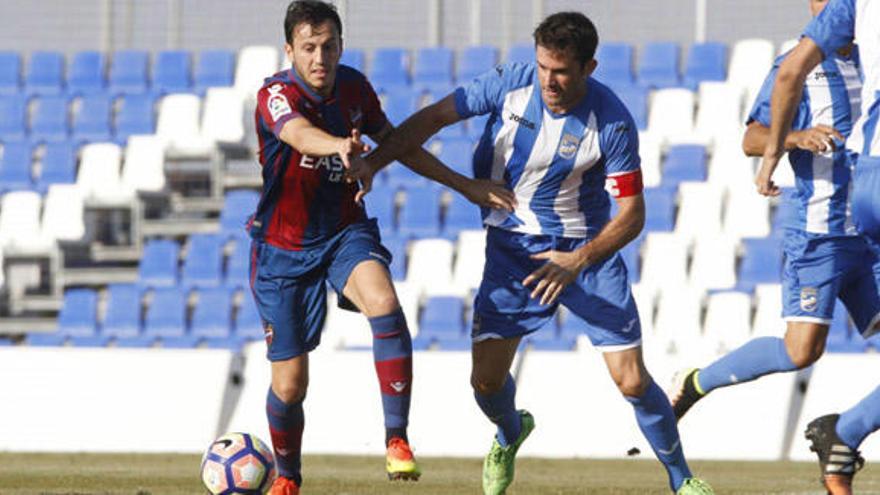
[(568, 146), (809, 299), (277, 102)]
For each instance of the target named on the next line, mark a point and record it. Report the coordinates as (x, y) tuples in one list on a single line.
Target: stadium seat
[(475, 60), (13, 111), (178, 125), (658, 65), (10, 73), (180, 342), (63, 214), (761, 263), (842, 336), (203, 267), (400, 103), (128, 72), (171, 72), (382, 205), (239, 263), (123, 315), (747, 214), (91, 122), (728, 320), (671, 116), (664, 263), (458, 154), (467, 273), (255, 63), (615, 64), (699, 212), (476, 126), (166, 316), (430, 267), (397, 247), (419, 216), (137, 342), (214, 68), (714, 264), (433, 68), (635, 98), (144, 164), (58, 166), (685, 162), (787, 45), (390, 69), (460, 215), (570, 325), (20, 223), (521, 53), (650, 151), (85, 76), (89, 341), (78, 314), (401, 176), (233, 343), (705, 62), (353, 58), (730, 168), (677, 326), (53, 339), (719, 111), (50, 121), (631, 254), (222, 120), (248, 323), (99, 176), (238, 206), (659, 209), (136, 116), (45, 74), (212, 316), (158, 267), (768, 310), (442, 319), (15, 167), (750, 60)]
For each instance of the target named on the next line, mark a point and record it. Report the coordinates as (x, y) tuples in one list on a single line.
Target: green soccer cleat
[(499, 464), (695, 486)]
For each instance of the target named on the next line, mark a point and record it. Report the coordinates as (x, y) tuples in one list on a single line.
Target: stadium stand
[(85, 74), (45, 74)]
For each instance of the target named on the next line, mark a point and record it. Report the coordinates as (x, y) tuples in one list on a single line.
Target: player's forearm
[(427, 165), (616, 234), (757, 136), (787, 92), (310, 140), (403, 141)]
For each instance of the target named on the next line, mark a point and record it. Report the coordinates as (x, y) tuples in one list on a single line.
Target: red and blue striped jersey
[(305, 199)]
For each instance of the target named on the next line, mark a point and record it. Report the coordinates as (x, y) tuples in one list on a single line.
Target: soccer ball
[(238, 463)]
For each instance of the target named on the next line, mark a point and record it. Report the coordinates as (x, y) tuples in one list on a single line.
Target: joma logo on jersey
[(519, 119), (826, 75), (332, 163)]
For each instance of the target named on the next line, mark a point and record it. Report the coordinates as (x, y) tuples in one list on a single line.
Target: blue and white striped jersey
[(556, 164), (841, 22), (831, 97)]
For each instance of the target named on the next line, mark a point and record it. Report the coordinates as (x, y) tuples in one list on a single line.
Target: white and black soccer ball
[(238, 463)]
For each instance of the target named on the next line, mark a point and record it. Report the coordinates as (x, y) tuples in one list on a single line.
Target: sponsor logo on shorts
[(809, 299), (277, 102), (568, 146), (630, 325), (268, 333)]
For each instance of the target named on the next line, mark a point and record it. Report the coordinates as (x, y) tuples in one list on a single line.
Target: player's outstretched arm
[(309, 139), (817, 139)]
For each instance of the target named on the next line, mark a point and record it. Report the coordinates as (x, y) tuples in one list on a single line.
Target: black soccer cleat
[(686, 393), (837, 461)]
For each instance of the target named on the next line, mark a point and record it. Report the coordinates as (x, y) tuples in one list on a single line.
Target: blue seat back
[(238, 206), (128, 72), (214, 68), (433, 66), (10, 72), (615, 64), (166, 316), (353, 58), (684, 162), (123, 315), (172, 72), (442, 316), (475, 60), (86, 73), (15, 167), (522, 53), (705, 62), (158, 266), (203, 266), (658, 65), (45, 75), (51, 119), (212, 316), (78, 314), (59, 165), (390, 68)]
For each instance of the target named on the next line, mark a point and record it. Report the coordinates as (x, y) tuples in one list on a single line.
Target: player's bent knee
[(632, 385), (805, 355), (292, 391), (487, 386), (380, 304)]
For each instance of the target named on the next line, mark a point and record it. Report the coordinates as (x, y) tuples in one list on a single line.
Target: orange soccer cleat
[(399, 461), (284, 486)]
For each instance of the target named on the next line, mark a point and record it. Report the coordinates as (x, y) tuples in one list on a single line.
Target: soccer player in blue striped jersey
[(555, 137), (835, 438)]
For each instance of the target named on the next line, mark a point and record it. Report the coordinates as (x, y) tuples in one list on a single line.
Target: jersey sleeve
[(485, 94), (277, 104), (374, 118), (834, 27), (619, 142), (760, 111)]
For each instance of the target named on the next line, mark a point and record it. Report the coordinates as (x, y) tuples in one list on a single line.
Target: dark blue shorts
[(600, 295), (290, 287)]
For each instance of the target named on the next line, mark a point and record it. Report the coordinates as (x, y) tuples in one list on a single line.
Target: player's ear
[(590, 67), (288, 51)]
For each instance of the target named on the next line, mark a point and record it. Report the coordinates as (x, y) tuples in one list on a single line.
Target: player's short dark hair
[(313, 13), (568, 31)]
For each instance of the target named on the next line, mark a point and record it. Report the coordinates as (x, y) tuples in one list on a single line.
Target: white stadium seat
[(63, 214), (665, 262), (671, 117), (223, 120), (467, 273), (678, 326), (714, 263), (144, 168), (750, 61), (784, 174), (409, 300), (430, 267), (178, 126), (747, 214), (719, 111), (645, 302), (768, 312), (729, 167), (650, 151), (20, 222), (255, 63), (699, 212), (728, 320), (787, 45), (99, 178)]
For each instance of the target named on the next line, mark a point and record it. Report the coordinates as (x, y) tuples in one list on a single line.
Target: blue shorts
[(600, 295), (866, 196), (290, 287), (819, 270)]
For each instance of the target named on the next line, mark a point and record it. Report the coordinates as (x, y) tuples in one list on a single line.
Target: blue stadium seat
[(400, 103), (239, 264), (475, 60), (458, 155), (203, 266), (123, 315), (397, 247), (761, 263), (53, 339), (158, 266), (615, 64), (461, 214), (136, 116), (659, 209), (842, 336), (248, 323), (419, 215), (631, 258), (212, 316), (91, 123), (658, 65), (171, 72), (635, 98), (51, 121), (86, 74), (705, 62), (128, 72), (13, 112), (58, 166), (10, 73), (353, 58), (442, 322), (389, 69), (15, 167), (166, 316), (45, 74), (684, 162), (401, 176), (139, 342), (214, 68), (381, 206), (234, 344), (522, 53), (238, 206), (571, 325), (476, 126), (78, 315), (180, 342), (433, 68), (89, 341)]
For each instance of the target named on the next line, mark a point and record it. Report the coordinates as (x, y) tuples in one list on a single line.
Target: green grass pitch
[(80, 474)]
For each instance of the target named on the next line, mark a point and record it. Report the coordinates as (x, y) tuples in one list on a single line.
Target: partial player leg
[(284, 409), (370, 289), (495, 392)]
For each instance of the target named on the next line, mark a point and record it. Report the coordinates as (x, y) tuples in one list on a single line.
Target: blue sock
[(756, 358), (860, 421), (657, 422), (501, 410), (286, 423), (392, 354)]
